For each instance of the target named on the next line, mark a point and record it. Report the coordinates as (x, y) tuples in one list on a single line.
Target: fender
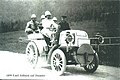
[(50, 53), (41, 45)]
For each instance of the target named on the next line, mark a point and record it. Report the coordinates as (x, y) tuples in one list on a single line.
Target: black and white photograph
[(60, 39)]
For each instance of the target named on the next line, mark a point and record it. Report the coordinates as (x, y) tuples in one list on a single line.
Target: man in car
[(41, 18), (55, 20), (48, 26), (32, 26), (64, 25)]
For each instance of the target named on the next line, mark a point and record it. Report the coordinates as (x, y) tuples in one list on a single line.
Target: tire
[(32, 54), (58, 62), (92, 67)]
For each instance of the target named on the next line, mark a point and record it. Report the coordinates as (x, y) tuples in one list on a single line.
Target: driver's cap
[(47, 13)]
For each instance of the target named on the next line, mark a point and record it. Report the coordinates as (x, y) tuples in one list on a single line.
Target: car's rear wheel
[(32, 54), (58, 62), (92, 67)]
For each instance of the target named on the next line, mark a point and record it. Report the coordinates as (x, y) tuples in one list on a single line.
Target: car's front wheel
[(58, 62)]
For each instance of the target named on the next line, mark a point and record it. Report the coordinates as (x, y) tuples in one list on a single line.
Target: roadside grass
[(10, 42)]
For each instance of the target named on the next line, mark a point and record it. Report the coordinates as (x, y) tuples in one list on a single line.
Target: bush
[(9, 26)]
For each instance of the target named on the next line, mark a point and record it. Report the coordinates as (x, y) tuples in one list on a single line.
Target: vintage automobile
[(73, 48)]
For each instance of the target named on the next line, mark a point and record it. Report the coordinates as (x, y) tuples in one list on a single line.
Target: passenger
[(32, 26), (41, 18), (64, 25), (55, 29), (55, 19)]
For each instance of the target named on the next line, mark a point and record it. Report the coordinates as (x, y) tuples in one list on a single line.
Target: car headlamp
[(69, 38)]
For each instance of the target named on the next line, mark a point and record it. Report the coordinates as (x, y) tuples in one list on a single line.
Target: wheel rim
[(90, 66), (58, 62), (32, 54)]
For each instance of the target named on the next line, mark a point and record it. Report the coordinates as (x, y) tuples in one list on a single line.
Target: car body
[(73, 48)]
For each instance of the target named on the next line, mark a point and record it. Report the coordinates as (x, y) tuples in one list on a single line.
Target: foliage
[(18, 12)]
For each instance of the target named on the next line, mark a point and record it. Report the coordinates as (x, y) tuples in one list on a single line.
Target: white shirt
[(47, 24)]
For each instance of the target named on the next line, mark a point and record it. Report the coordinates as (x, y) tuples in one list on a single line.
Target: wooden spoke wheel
[(93, 65), (32, 54), (58, 62)]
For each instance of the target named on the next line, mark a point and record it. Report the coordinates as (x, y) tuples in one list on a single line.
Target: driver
[(32, 26), (49, 27)]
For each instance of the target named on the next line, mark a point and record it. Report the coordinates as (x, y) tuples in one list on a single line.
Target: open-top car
[(73, 48)]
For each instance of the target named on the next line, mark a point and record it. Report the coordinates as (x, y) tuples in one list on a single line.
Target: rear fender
[(41, 45)]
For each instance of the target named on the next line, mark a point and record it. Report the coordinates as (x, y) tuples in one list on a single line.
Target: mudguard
[(50, 53), (42, 46), (85, 54)]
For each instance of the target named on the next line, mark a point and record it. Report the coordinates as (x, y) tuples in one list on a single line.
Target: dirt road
[(15, 66)]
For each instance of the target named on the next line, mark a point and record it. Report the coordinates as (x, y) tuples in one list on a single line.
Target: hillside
[(104, 13)]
